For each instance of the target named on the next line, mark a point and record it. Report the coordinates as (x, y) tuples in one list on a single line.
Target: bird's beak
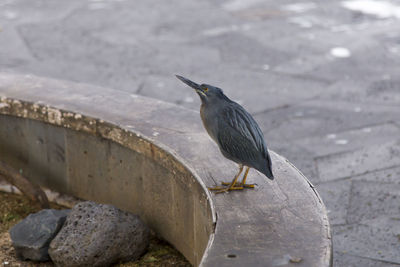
[(194, 85)]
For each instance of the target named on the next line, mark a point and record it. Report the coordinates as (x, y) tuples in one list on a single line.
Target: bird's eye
[(205, 89)]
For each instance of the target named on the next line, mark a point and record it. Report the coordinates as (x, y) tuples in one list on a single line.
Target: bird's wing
[(241, 134)]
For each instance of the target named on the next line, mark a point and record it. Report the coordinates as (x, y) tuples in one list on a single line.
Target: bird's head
[(207, 93)]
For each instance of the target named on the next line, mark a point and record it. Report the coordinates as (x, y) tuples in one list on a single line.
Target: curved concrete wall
[(144, 180), (154, 159)]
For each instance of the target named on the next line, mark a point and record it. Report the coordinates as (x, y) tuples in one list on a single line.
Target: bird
[(236, 133)]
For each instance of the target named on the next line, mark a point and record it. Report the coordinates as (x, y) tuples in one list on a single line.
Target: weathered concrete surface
[(275, 57), (153, 159)]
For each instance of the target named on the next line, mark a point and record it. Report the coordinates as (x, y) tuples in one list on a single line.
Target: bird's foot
[(227, 185), (223, 189), (241, 185), (216, 188)]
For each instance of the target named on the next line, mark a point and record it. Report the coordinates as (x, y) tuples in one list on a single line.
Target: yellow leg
[(243, 183), (244, 179), (245, 175), (231, 184)]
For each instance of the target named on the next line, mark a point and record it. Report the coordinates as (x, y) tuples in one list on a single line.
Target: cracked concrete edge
[(95, 126), (329, 249)]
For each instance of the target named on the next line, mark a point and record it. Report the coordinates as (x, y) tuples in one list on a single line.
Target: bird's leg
[(244, 179), (243, 183), (231, 184)]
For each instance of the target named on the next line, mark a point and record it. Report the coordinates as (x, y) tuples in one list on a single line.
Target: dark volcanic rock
[(31, 237), (99, 235)]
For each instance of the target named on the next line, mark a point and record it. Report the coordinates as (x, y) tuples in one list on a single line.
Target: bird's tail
[(264, 165), (268, 172), (267, 168)]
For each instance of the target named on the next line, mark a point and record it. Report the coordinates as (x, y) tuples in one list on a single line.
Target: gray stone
[(343, 69), (358, 162), (164, 87), (336, 197), (375, 239), (350, 140), (253, 54), (31, 237), (270, 89), (378, 90), (389, 175), (370, 200), (348, 260), (99, 235), (322, 117), (301, 157)]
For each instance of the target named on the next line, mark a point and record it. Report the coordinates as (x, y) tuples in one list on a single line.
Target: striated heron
[(235, 131)]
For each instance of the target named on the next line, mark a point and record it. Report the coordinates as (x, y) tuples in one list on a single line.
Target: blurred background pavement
[(322, 78)]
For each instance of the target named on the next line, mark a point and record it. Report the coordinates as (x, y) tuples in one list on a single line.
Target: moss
[(160, 253), (14, 208)]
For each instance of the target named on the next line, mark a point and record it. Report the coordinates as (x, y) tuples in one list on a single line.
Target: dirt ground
[(14, 208)]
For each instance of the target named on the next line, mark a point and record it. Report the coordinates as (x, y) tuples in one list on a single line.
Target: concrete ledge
[(155, 159)]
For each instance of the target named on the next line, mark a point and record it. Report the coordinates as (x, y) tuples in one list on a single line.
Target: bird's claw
[(241, 185), (216, 188), (219, 189), (228, 187)]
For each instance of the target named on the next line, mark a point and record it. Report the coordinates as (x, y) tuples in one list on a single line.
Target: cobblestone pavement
[(322, 78)]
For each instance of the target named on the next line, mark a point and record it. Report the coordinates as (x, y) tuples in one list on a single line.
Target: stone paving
[(322, 78)]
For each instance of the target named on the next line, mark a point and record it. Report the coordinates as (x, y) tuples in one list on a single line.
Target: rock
[(31, 237), (99, 235)]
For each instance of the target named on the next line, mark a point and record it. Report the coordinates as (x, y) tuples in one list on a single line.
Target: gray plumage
[(237, 134)]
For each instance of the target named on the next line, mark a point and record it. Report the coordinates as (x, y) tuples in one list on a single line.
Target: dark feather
[(241, 139)]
